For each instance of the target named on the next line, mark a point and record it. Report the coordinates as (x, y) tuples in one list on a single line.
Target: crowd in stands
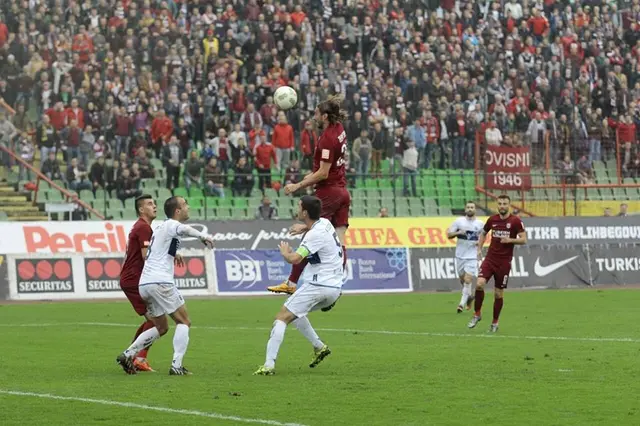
[(111, 84)]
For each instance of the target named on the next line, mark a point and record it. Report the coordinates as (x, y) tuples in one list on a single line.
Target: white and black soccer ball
[(285, 97)]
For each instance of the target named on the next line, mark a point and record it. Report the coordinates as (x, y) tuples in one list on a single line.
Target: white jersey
[(467, 246), (164, 245), (325, 255)]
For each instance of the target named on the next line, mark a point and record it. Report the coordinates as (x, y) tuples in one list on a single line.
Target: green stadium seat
[(359, 211), (181, 192), (162, 194)]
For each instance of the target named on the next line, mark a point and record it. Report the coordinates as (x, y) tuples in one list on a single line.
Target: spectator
[(243, 178), (536, 133), (122, 130), (97, 174), (147, 169), (126, 186), (362, 151), (250, 119), (410, 168), (282, 141), (222, 150), (268, 113), (86, 146), (266, 211), (51, 168), (492, 135), (111, 175), (308, 142), (432, 129), (265, 157), (607, 212), (46, 138), (214, 178), (193, 171), (293, 175), (71, 138), (624, 207), (378, 145), (383, 212), (77, 176), (584, 171), (172, 158), (26, 150), (161, 130)]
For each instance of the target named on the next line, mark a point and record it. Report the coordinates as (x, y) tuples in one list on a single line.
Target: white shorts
[(161, 299), (309, 298), (467, 266)]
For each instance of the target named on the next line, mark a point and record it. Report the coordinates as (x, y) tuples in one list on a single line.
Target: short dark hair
[(312, 205), (470, 202), (170, 206), (504, 197), (139, 201)]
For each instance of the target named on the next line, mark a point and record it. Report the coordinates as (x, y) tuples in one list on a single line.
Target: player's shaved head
[(312, 205), (171, 205)]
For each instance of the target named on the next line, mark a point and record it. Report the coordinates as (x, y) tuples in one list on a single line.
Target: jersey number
[(335, 237), (149, 248), (343, 150)]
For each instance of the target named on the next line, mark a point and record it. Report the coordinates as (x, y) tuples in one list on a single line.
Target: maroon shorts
[(136, 300), (499, 269), (335, 204)]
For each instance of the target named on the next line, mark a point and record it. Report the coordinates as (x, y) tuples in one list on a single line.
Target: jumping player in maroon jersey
[(329, 179), (507, 231), (139, 238)]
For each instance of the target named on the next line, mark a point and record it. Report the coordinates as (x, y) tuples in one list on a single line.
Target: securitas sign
[(43, 276)]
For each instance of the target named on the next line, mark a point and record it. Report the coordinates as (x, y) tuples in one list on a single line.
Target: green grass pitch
[(560, 358)]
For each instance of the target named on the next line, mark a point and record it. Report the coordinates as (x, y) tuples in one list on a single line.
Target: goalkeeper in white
[(322, 285), (158, 290)]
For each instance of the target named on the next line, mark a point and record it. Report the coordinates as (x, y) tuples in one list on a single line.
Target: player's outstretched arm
[(321, 174), (186, 230), (290, 256)]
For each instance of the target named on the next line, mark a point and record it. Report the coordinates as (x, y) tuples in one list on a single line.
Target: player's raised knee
[(162, 329)]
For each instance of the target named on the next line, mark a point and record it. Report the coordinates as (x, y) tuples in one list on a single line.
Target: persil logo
[(243, 270), (113, 238)]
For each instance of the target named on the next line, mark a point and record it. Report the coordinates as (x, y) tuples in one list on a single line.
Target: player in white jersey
[(158, 290), (467, 230), (322, 285)]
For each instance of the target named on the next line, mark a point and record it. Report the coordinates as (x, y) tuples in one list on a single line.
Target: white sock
[(275, 340), (180, 344), (466, 292), (304, 326), (144, 340)]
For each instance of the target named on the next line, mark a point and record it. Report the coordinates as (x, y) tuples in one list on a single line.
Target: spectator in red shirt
[(308, 142), (74, 112), (57, 116), (161, 131), (538, 24), (283, 141), (265, 155)]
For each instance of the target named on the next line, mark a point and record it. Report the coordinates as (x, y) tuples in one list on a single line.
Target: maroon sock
[(296, 271), (344, 257), (477, 303), (497, 307)]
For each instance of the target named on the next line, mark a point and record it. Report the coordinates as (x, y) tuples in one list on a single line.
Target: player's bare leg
[(180, 341), (498, 301), (466, 298), (144, 340), (479, 298), (283, 318)]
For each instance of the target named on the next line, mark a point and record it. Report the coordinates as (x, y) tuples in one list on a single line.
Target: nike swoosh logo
[(543, 271)]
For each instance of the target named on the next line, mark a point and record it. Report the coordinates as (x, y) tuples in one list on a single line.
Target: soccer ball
[(285, 97)]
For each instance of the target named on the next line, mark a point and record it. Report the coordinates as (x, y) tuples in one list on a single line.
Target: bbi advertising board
[(247, 272)]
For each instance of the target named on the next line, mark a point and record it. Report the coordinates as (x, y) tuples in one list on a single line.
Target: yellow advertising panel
[(427, 232)]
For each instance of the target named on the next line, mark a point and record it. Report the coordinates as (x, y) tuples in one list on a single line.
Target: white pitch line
[(149, 408), (381, 332)]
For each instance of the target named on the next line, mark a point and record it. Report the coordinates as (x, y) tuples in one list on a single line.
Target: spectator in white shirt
[(410, 167), (492, 135)]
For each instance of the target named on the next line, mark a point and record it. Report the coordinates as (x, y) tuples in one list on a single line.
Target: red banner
[(508, 168)]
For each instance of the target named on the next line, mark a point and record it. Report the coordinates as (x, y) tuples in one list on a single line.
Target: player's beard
[(470, 214), (503, 212)]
